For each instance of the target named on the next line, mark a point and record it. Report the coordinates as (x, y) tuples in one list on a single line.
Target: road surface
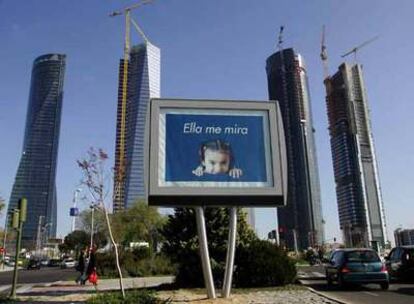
[(398, 293), (43, 275)]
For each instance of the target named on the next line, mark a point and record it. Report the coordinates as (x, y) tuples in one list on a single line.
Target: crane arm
[(129, 8), (357, 48), (139, 30)]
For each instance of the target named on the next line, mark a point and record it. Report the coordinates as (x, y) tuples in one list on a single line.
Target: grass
[(136, 296)]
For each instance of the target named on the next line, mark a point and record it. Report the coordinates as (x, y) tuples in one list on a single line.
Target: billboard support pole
[(205, 258), (231, 249)]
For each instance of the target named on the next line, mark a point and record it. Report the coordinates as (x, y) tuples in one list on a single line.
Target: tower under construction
[(360, 206), (300, 222), (143, 83)]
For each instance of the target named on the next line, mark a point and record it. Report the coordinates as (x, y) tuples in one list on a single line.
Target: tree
[(99, 222), (76, 240), (138, 223), (182, 247), (2, 205), (95, 178)]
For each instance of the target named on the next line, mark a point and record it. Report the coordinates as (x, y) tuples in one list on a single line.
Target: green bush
[(131, 297), (136, 263), (182, 247), (263, 264)]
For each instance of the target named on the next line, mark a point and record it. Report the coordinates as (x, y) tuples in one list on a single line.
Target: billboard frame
[(169, 196)]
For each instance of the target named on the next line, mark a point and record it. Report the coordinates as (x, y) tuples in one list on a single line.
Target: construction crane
[(324, 55), (120, 172), (357, 48), (280, 38)]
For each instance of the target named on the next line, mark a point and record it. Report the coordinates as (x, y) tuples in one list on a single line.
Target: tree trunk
[(121, 284)]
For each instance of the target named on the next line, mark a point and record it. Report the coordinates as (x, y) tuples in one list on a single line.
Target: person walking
[(81, 268), (91, 269)]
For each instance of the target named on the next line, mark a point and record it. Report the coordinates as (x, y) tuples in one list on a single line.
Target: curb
[(331, 298)]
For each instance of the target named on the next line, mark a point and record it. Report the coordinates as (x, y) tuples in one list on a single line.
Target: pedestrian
[(81, 268), (91, 269)]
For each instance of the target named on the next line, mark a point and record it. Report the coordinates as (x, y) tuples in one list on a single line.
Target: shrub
[(136, 263), (263, 264), (182, 246), (131, 297)]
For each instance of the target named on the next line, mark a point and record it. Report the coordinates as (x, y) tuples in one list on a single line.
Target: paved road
[(43, 275), (399, 293)]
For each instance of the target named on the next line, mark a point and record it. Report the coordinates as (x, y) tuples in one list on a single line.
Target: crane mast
[(324, 55), (121, 168)]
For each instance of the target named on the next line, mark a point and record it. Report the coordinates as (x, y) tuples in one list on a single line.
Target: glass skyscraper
[(36, 174), (300, 222), (360, 207), (143, 84)]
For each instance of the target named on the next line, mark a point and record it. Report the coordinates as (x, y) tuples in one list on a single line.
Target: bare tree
[(96, 178)]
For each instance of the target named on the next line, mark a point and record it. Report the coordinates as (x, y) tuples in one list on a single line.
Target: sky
[(212, 50)]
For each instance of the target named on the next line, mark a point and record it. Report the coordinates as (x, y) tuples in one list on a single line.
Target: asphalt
[(43, 275), (398, 293)]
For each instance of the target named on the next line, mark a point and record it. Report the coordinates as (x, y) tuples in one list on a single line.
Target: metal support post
[(231, 249), (205, 258), (19, 218), (92, 228), (16, 260)]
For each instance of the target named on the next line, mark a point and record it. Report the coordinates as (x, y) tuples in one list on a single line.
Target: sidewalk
[(70, 292), (7, 268)]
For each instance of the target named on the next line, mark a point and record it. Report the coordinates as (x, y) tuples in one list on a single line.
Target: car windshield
[(362, 256)]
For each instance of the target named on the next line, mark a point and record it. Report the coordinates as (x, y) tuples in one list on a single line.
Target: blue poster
[(215, 148)]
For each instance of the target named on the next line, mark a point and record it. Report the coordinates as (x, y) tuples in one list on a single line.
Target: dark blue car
[(400, 263), (356, 266)]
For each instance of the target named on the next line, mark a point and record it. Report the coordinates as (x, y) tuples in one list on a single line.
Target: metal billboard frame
[(270, 196)]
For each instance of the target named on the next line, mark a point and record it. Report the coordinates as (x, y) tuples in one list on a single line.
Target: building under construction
[(143, 83), (360, 207), (300, 222)]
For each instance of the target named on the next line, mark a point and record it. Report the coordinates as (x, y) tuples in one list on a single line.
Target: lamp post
[(92, 228), (74, 212), (6, 226), (19, 217)]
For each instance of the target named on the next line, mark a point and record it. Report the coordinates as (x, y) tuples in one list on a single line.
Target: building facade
[(300, 222), (36, 175), (360, 206), (143, 84), (404, 237)]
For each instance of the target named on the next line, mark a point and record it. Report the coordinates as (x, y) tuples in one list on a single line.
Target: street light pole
[(92, 228), (6, 226), (19, 217), (74, 200)]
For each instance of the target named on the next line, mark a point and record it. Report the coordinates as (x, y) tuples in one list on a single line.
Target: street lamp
[(74, 212)]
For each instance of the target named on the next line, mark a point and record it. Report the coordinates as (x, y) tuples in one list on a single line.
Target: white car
[(68, 263)]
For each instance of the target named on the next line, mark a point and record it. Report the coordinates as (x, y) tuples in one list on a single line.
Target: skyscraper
[(360, 207), (143, 84), (300, 222), (36, 174)]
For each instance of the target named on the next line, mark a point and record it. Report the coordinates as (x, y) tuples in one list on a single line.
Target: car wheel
[(385, 285), (341, 282), (328, 279)]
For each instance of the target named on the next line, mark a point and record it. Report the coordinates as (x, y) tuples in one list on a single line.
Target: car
[(68, 263), (356, 266), (44, 262), (11, 262), (400, 263), (33, 264), (54, 262)]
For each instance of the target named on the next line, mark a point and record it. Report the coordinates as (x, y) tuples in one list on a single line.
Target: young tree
[(96, 178)]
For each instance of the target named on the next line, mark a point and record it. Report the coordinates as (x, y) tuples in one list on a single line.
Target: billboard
[(215, 153)]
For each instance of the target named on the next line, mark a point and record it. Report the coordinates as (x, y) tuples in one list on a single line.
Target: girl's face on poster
[(216, 162)]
